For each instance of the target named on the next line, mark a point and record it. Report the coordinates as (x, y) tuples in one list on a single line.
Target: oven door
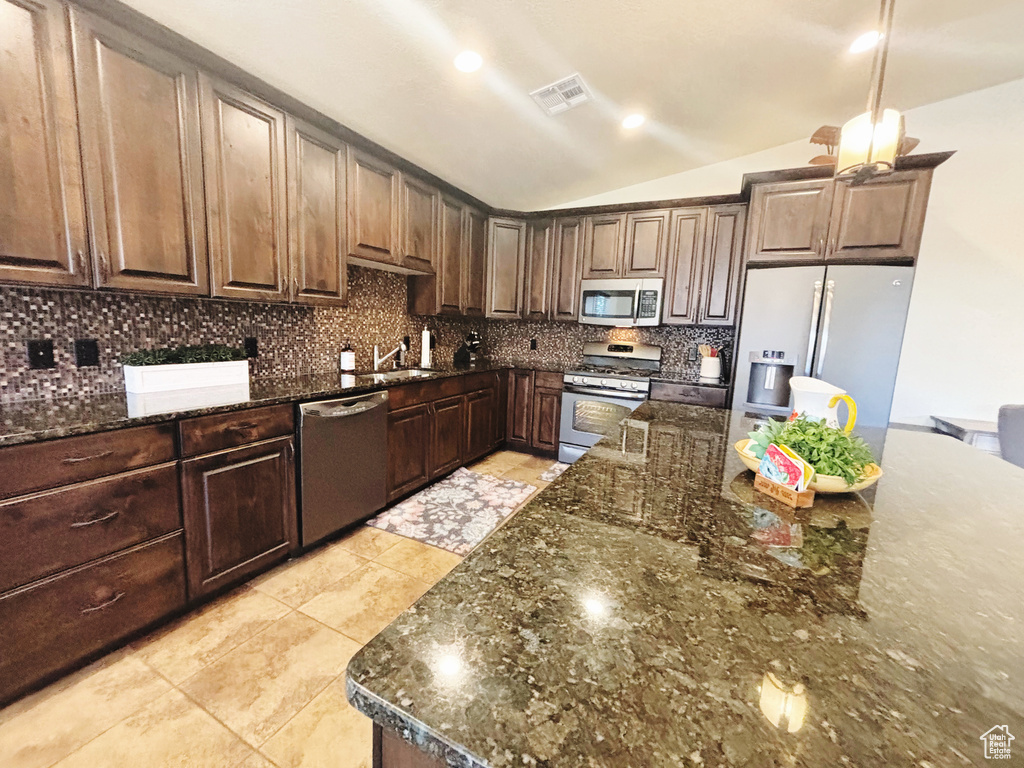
[(587, 416), (609, 302)]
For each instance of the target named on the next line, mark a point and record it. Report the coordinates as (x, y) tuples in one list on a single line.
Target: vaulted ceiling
[(716, 78)]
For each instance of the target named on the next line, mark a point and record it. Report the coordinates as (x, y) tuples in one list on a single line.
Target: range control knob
[(604, 382), (576, 379), (635, 385)]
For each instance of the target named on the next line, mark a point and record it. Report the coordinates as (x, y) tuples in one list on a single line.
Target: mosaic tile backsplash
[(292, 340)]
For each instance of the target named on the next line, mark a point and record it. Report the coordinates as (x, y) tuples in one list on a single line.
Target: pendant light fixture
[(870, 142)]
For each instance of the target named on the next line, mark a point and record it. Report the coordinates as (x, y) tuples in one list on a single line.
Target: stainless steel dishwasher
[(343, 459)]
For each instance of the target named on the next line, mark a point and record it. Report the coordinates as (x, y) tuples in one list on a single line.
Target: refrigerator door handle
[(812, 334), (829, 294)]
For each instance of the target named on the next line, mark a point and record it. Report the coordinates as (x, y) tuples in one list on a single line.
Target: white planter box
[(177, 400), (165, 378)]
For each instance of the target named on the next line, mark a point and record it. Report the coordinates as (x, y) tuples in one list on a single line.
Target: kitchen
[(171, 197)]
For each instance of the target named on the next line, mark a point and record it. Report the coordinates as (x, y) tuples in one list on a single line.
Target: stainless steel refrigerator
[(842, 324)]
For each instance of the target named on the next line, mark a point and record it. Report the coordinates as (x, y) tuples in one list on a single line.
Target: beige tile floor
[(255, 678)]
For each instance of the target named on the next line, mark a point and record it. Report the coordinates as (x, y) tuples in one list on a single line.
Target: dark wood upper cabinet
[(317, 215), (373, 188), (604, 243), (244, 158), (474, 271), (539, 253), (452, 255), (685, 258), (789, 220), (723, 265), (646, 244), (880, 219), (420, 219), (42, 214), (138, 107), (506, 257), (239, 510), (568, 262)]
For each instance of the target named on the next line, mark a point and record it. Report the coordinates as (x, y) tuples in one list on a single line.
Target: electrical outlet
[(692, 357), (533, 344), (87, 353), (40, 353), (252, 347)]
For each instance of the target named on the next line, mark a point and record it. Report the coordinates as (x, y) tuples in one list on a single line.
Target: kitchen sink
[(406, 373)]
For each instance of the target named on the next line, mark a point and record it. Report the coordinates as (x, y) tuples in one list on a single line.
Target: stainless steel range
[(613, 379)]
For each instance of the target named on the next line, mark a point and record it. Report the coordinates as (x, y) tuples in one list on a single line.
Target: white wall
[(963, 350)]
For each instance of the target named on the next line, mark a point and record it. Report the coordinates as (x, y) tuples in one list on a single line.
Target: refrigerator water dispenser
[(770, 372)]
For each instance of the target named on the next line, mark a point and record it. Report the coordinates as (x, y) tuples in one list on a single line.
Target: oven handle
[(604, 392)]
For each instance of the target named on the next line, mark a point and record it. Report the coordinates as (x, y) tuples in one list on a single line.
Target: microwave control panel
[(648, 304)]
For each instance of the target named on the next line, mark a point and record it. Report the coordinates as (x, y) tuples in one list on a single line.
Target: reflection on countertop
[(650, 608)]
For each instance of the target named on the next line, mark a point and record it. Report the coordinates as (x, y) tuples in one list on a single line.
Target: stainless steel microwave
[(623, 302)]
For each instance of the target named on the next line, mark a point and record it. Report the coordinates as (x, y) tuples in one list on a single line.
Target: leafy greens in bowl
[(829, 450)]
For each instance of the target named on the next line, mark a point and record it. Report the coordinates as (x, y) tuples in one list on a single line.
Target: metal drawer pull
[(101, 606), (242, 427), (80, 459), (95, 520)]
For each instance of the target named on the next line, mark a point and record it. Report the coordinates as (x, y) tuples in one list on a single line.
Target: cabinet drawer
[(207, 434), (52, 624), (424, 392), (38, 466), (472, 382), (547, 379), (713, 397), (55, 530)]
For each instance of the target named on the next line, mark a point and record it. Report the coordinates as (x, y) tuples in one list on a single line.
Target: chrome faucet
[(377, 359)]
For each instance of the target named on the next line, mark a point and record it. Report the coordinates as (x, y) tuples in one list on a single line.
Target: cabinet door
[(568, 261), (42, 215), (474, 272), (481, 407), (139, 117), (547, 411), (447, 430), (520, 410), (789, 220), (881, 219), (243, 151), (646, 244), (603, 245), (723, 265), (501, 407), (408, 450), (420, 238), (317, 216), (452, 255), (239, 510), (537, 291), (506, 256), (685, 256), (373, 209)]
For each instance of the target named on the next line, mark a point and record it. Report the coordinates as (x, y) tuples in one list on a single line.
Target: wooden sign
[(786, 495)]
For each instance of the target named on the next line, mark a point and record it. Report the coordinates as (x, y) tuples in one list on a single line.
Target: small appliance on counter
[(470, 352)]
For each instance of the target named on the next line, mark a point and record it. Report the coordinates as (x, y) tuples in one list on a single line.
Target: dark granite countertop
[(36, 420), (692, 379), (629, 615)]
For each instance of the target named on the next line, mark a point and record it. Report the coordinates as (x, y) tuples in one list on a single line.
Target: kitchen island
[(651, 609)]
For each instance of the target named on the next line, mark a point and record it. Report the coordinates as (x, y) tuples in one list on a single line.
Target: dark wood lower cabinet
[(481, 413), (239, 510), (50, 625), (520, 410), (391, 751), (447, 430), (547, 410), (408, 450)]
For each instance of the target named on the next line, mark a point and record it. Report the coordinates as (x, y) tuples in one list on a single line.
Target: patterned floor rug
[(554, 471), (457, 513)]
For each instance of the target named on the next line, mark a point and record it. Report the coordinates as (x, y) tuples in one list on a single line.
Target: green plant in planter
[(197, 353)]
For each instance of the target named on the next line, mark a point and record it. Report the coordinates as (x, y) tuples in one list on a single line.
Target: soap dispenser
[(347, 360)]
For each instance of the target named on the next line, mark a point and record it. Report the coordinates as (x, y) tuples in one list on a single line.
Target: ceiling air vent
[(563, 95)]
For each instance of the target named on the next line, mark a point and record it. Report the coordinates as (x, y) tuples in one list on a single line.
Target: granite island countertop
[(629, 615)]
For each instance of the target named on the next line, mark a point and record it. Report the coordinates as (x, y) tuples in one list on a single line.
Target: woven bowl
[(821, 483)]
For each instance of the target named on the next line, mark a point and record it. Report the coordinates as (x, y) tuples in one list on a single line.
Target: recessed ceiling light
[(633, 121), (866, 42), (468, 61)]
